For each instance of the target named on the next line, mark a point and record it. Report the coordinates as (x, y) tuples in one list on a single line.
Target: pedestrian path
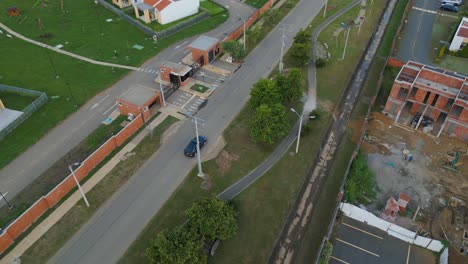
[(68, 204)]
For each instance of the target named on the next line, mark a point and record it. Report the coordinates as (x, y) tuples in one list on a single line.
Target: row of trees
[(270, 99), (208, 219), (301, 48)]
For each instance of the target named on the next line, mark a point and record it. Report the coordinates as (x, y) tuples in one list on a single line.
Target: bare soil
[(440, 193), (224, 160)]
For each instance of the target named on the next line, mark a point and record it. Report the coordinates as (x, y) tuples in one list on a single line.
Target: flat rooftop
[(138, 95), (204, 43), (7, 116), (177, 68)]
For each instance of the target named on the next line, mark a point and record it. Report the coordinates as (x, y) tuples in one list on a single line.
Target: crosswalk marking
[(424, 10)]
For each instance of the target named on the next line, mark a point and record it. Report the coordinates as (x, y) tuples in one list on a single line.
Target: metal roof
[(204, 43)]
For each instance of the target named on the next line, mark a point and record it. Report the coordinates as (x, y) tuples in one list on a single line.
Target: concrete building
[(165, 11), (140, 100), (461, 36), (430, 99), (176, 74), (205, 49)]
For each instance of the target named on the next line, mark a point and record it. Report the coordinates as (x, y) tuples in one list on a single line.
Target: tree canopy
[(302, 37), (213, 218), (177, 246), (290, 86), (301, 53), (360, 182), (235, 48), (269, 123), (264, 92)]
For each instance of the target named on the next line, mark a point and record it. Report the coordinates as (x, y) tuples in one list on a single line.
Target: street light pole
[(161, 90), (4, 198), (78, 184), (200, 171), (300, 127), (325, 8)]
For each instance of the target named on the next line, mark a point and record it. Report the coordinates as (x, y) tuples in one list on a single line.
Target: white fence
[(399, 232)]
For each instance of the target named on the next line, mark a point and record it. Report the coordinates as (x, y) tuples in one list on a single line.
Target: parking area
[(188, 102), (356, 242), (213, 79)]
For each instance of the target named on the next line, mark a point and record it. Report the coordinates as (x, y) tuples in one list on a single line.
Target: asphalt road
[(356, 242), (415, 42), (69, 133), (115, 226)]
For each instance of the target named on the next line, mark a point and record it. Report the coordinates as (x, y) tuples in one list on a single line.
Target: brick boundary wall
[(395, 63), (252, 19), (28, 217)]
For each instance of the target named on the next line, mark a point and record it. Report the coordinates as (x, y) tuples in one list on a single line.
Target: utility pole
[(361, 20), (200, 170), (346, 42), (244, 32), (78, 183), (283, 37), (300, 126)]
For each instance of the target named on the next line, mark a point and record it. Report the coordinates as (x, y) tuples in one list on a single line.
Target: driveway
[(117, 224), (69, 133), (356, 242), (415, 43)]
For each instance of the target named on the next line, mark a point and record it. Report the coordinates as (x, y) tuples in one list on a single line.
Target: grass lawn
[(256, 3), (329, 88), (160, 27), (78, 81), (454, 63), (443, 29), (16, 101), (211, 7), (199, 88), (66, 227), (58, 171)]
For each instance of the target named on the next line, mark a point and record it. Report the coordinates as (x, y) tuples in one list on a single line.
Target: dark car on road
[(191, 149), (449, 7), (426, 121)]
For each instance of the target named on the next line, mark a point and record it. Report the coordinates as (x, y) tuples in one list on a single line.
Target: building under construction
[(430, 99)]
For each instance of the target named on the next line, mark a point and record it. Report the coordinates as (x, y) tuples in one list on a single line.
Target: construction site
[(428, 175)]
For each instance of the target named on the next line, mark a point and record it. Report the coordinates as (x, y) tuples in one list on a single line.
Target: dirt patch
[(327, 105), (224, 160), (425, 178)]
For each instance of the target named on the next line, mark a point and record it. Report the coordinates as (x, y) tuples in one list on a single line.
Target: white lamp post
[(78, 183), (299, 132)]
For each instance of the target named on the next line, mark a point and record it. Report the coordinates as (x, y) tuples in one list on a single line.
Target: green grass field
[(16, 101), (256, 3), (82, 25)]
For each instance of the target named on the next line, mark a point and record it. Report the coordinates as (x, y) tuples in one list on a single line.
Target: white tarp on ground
[(7, 116), (444, 257), (399, 232)]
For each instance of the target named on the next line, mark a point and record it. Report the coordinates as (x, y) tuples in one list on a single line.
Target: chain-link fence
[(27, 111), (124, 13)]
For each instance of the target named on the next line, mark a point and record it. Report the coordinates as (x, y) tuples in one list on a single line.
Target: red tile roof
[(158, 4), (463, 32), (162, 4)]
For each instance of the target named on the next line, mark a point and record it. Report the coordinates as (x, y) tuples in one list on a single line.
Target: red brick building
[(205, 49), (438, 95), (176, 74), (140, 100)]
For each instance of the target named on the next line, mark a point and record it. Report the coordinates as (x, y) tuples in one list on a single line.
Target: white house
[(461, 36), (165, 11)]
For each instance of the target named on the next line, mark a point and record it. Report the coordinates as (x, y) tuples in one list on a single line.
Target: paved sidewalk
[(58, 213)]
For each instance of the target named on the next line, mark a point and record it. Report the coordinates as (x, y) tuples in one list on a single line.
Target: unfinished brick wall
[(63, 188), (392, 62), (441, 78)]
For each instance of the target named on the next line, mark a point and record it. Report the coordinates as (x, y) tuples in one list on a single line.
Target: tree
[(271, 14), (361, 181), (213, 218), (254, 33), (301, 53), (235, 48), (302, 37), (178, 246), (268, 124), (264, 92), (295, 80)]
